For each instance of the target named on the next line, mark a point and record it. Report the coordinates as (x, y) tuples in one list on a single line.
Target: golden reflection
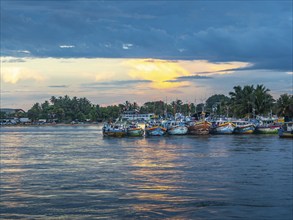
[(11, 153), (156, 175)]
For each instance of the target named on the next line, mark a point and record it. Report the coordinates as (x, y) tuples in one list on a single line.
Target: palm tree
[(199, 107), (127, 105), (263, 101), (250, 100), (247, 100), (242, 100), (235, 98), (35, 112), (179, 104), (53, 100), (216, 101), (284, 105), (135, 106)]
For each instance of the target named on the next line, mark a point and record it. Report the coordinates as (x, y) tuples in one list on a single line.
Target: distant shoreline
[(53, 125)]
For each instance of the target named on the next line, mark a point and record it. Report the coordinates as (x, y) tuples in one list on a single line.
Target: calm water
[(75, 173)]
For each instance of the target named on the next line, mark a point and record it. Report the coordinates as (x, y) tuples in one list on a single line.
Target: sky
[(138, 51)]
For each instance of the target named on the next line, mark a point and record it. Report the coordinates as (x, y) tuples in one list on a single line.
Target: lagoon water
[(75, 173)]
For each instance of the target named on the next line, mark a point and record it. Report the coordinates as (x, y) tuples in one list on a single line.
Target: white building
[(24, 120), (133, 115)]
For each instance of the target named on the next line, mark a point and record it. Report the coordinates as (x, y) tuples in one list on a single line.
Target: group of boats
[(204, 126)]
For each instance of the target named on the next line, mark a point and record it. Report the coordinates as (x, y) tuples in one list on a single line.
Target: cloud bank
[(218, 31)]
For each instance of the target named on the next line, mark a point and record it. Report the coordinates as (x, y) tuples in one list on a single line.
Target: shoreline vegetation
[(243, 102), (53, 125)]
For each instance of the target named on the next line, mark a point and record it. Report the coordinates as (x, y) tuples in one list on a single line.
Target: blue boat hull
[(155, 131)]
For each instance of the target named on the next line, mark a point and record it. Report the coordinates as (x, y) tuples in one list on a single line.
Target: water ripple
[(75, 173)]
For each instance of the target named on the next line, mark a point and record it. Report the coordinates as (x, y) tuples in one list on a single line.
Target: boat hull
[(267, 129), (227, 128), (114, 133), (200, 128), (137, 132), (248, 129), (179, 130), (286, 131), (285, 134), (155, 131)]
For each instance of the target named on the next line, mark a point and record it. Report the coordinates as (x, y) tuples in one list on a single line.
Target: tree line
[(247, 101)]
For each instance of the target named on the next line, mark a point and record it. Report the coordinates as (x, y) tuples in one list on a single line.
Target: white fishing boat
[(222, 127), (177, 128), (155, 129), (267, 126), (243, 127), (114, 130), (134, 130)]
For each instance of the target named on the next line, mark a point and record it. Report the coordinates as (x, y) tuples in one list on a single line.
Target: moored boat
[(286, 130), (243, 127), (114, 130), (134, 130), (267, 129), (222, 127), (178, 128), (267, 126), (199, 128), (155, 129)]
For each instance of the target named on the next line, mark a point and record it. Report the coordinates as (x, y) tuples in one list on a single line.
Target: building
[(134, 115), (24, 120), (10, 111)]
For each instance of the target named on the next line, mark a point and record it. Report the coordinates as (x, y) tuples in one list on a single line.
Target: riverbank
[(50, 124)]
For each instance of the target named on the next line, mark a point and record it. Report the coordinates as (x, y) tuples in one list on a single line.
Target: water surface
[(74, 173)]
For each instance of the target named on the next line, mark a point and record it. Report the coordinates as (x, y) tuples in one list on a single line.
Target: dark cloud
[(115, 83), (189, 78), (58, 86), (257, 32)]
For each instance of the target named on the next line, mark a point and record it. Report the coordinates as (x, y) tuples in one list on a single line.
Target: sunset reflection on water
[(75, 173)]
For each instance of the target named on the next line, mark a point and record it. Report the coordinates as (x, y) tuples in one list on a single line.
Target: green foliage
[(263, 101), (200, 107), (2, 115), (217, 104), (35, 112), (284, 105), (63, 109), (249, 101), (157, 107), (243, 102)]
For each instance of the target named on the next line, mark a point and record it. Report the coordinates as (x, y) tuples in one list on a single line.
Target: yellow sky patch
[(158, 71), (209, 68), (162, 71), (15, 74)]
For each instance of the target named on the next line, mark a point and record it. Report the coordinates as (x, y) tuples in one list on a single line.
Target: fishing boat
[(243, 127), (114, 130), (286, 130), (267, 126), (199, 128), (222, 127), (133, 130), (155, 129), (177, 128), (267, 129)]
